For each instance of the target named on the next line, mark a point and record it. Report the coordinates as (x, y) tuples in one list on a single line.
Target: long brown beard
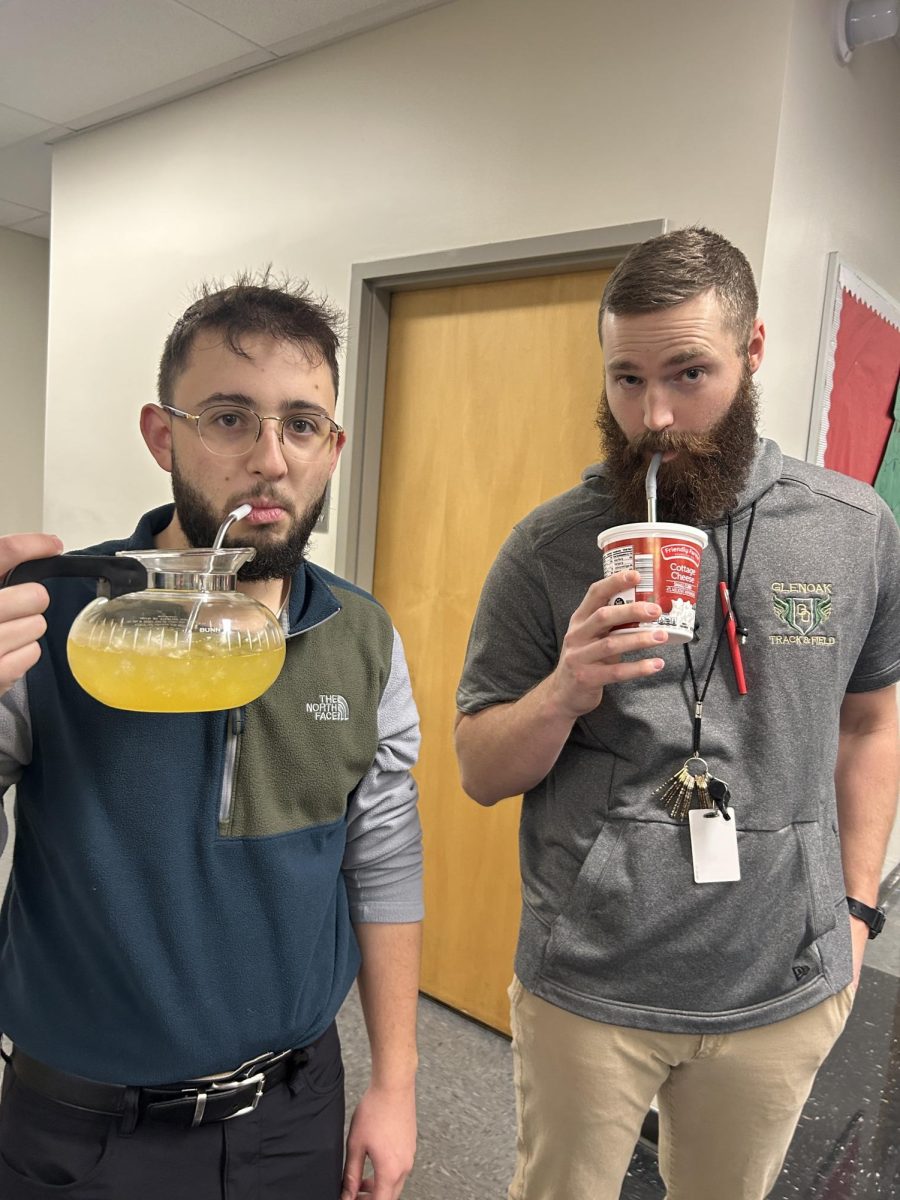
[(704, 481)]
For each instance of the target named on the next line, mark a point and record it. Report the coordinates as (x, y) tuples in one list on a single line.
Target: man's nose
[(658, 413), (267, 456)]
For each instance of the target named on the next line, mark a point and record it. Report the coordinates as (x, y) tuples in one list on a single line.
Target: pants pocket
[(845, 1001), (49, 1146), (323, 1074)]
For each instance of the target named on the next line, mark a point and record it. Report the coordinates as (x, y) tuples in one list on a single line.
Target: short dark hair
[(678, 266), (254, 303)]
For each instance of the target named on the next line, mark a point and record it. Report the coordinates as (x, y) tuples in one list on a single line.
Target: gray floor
[(465, 1102)]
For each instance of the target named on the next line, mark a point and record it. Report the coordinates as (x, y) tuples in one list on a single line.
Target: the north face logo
[(329, 708)]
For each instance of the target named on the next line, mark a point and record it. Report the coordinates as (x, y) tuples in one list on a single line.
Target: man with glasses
[(149, 1060)]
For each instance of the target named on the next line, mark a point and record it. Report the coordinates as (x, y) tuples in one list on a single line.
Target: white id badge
[(714, 846)]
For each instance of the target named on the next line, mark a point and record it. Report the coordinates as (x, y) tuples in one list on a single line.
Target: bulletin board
[(855, 425)]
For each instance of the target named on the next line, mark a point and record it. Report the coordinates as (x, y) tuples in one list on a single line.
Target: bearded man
[(632, 980), (193, 895)]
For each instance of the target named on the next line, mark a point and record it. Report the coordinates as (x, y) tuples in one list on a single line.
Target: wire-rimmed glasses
[(230, 430)]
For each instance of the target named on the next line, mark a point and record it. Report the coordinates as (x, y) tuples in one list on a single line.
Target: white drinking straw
[(237, 515), (650, 486)]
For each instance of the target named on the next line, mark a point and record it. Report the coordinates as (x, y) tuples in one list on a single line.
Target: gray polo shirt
[(613, 926)]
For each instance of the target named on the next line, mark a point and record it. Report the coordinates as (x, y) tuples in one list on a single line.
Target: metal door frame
[(371, 287)]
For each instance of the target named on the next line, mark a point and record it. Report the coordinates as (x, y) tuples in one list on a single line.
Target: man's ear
[(156, 430), (756, 346), (336, 452)]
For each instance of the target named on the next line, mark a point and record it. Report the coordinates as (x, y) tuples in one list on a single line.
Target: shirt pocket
[(637, 929)]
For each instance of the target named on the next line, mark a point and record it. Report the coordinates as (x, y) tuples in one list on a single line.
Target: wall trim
[(371, 287)]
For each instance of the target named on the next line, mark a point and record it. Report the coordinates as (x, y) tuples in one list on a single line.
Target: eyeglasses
[(230, 431)]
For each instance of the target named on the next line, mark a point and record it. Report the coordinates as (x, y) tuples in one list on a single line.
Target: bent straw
[(650, 486), (237, 515)]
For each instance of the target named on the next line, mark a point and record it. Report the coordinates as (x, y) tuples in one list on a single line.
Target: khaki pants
[(728, 1103)]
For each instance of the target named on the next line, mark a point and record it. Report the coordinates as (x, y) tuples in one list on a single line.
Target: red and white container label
[(667, 558)]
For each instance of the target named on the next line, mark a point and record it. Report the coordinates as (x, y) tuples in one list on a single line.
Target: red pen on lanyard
[(733, 644)]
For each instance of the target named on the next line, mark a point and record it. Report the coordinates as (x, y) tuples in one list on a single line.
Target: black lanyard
[(734, 579)]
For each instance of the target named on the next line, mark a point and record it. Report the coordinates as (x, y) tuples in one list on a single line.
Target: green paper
[(887, 481)]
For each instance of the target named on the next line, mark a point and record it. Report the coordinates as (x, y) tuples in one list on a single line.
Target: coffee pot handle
[(115, 576)]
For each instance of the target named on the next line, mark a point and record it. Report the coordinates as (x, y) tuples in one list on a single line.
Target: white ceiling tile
[(13, 214), (37, 226), (197, 82), (60, 60), (291, 26), (366, 16), (268, 21), (15, 125)]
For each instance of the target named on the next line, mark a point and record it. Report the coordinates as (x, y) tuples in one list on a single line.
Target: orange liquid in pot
[(204, 675)]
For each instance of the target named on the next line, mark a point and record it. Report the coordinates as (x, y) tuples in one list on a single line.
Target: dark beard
[(703, 482), (277, 560)]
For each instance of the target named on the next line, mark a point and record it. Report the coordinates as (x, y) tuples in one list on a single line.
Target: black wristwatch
[(873, 917)]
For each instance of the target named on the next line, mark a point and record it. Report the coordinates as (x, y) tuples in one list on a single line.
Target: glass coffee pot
[(168, 631)]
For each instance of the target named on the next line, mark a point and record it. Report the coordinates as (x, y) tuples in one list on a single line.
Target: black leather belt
[(194, 1102)]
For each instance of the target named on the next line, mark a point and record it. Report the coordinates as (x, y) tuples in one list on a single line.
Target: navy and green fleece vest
[(176, 905)]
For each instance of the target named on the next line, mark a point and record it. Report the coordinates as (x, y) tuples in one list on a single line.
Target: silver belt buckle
[(200, 1102)]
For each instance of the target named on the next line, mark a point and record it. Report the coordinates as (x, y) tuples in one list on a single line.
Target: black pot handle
[(115, 576)]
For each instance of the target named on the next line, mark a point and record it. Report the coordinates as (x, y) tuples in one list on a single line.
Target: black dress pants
[(289, 1148)]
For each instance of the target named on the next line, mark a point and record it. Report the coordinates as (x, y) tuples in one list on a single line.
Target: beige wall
[(836, 187), (23, 362), (484, 120)]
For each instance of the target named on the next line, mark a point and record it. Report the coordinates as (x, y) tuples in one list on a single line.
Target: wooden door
[(490, 398)]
